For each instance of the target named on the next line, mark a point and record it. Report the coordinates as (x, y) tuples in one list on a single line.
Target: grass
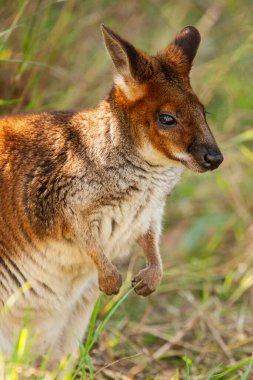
[(199, 324)]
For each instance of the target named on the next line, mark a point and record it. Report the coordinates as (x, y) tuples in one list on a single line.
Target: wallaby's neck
[(110, 126), (120, 114)]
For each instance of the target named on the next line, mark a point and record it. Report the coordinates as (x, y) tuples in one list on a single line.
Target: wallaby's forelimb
[(109, 279), (150, 277)]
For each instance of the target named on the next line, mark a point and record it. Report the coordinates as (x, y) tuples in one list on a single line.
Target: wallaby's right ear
[(128, 61), (183, 49)]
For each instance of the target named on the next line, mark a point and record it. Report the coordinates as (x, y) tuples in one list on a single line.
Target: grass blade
[(233, 368), (212, 373), (246, 374), (187, 367), (92, 324), (90, 367), (102, 325)]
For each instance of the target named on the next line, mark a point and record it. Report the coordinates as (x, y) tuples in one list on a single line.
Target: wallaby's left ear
[(183, 49), (129, 62)]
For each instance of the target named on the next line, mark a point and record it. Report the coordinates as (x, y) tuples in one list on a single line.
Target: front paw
[(110, 283), (147, 280)]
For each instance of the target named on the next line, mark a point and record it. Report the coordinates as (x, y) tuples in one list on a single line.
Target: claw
[(147, 280)]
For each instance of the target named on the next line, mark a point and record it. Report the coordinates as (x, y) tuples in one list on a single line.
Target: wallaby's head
[(166, 117)]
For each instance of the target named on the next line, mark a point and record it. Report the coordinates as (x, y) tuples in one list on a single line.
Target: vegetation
[(199, 324)]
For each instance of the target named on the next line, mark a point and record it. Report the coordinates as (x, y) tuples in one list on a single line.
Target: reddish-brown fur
[(78, 188)]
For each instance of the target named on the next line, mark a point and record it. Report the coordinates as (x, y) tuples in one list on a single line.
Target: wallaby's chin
[(195, 167), (154, 157), (190, 162)]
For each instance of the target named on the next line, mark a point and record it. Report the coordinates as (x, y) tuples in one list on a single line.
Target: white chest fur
[(120, 225)]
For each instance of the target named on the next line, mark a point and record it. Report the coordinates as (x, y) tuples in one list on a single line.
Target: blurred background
[(52, 57)]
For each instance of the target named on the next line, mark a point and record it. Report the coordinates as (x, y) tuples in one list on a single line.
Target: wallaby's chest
[(122, 224), (66, 267)]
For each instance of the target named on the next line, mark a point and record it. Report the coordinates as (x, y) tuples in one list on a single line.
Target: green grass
[(199, 324)]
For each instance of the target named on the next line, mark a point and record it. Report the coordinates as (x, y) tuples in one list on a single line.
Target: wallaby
[(77, 189)]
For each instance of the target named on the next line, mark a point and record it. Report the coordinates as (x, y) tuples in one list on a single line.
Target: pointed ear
[(183, 49), (128, 61)]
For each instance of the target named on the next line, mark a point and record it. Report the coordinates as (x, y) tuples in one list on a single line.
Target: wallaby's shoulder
[(40, 121), (70, 127), (40, 132)]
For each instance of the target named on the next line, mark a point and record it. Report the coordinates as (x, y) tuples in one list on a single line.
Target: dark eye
[(167, 120)]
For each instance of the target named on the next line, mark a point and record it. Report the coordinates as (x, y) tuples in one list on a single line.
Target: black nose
[(212, 159)]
